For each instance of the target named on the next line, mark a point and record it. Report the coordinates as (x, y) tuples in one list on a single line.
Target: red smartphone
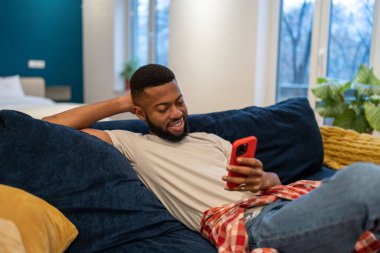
[(244, 147)]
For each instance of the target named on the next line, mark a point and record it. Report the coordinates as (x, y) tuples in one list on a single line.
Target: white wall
[(375, 40), (103, 27), (212, 52), (98, 49)]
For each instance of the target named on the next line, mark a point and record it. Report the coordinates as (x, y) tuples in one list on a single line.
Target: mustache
[(179, 118)]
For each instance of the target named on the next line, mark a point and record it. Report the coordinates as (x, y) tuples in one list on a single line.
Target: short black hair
[(150, 75)]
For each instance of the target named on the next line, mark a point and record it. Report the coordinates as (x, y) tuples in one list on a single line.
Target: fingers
[(247, 167), (251, 162), (250, 175), (244, 183)]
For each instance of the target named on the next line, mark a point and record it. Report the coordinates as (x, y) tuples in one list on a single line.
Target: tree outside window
[(349, 42), (150, 31)]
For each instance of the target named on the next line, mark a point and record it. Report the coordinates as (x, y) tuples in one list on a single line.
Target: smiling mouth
[(176, 125)]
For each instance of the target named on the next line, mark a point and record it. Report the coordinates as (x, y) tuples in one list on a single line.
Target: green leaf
[(129, 68), (373, 79), (322, 80), (320, 91), (345, 87), (329, 108), (366, 76), (330, 90), (368, 89), (372, 113), (363, 74), (375, 99), (350, 120)]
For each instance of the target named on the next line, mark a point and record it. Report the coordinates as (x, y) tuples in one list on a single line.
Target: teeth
[(176, 123)]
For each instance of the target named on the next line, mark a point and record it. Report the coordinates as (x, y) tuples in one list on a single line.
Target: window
[(150, 31), (162, 32), (323, 38), (350, 37), (294, 48)]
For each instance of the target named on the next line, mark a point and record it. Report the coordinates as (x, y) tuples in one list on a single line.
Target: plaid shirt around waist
[(224, 225)]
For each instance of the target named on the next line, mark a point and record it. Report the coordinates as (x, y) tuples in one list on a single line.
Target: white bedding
[(37, 107), (26, 95), (25, 101)]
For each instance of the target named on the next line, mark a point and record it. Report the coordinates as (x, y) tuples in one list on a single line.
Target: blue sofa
[(95, 187)]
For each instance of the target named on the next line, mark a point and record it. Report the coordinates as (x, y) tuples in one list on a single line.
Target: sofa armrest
[(343, 147)]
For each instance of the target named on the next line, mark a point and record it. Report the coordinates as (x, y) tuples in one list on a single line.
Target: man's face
[(165, 112)]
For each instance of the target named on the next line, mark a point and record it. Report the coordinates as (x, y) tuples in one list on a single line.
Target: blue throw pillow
[(289, 140), (93, 184)]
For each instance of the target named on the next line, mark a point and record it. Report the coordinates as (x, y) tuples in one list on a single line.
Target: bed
[(27, 95)]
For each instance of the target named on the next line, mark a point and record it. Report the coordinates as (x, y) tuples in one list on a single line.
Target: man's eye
[(161, 110)]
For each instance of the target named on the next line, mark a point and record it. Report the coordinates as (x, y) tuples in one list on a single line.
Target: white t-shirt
[(186, 176)]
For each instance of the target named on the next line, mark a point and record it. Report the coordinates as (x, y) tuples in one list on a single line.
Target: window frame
[(319, 48), (152, 29)]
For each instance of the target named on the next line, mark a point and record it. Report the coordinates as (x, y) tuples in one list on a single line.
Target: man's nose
[(175, 113)]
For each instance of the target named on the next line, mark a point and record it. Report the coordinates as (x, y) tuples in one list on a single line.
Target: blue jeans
[(328, 219)]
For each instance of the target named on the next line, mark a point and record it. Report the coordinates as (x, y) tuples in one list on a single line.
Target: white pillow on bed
[(11, 86)]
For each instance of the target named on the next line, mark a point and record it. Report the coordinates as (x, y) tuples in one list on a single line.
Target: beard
[(160, 132)]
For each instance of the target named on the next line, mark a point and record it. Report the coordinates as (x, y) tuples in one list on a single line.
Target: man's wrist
[(125, 104)]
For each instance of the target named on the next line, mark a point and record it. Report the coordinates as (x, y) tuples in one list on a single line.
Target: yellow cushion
[(10, 238), (343, 147), (43, 228)]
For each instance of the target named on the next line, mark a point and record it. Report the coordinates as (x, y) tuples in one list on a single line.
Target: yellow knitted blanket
[(343, 147)]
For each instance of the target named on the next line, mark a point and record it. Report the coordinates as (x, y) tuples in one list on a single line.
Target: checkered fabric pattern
[(224, 226)]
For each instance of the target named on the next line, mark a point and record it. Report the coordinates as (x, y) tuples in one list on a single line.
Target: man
[(187, 173)]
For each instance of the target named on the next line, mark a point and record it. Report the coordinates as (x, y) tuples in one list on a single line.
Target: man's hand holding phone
[(245, 173)]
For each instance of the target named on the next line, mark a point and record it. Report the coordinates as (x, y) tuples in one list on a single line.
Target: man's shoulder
[(122, 135), (122, 132), (204, 135)]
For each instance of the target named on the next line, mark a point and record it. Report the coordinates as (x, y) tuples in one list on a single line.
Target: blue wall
[(49, 30)]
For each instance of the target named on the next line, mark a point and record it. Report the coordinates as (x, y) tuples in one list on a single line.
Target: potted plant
[(352, 105), (129, 68)]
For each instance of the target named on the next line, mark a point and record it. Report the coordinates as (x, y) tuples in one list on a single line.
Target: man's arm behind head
[(81, 118)]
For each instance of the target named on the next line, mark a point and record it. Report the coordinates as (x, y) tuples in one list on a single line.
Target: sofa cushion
[(89, 181), (42, 227), (10, 238), (289, 140), (345, 146)]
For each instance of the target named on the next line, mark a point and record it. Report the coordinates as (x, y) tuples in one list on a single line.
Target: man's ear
[(139, 112)]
